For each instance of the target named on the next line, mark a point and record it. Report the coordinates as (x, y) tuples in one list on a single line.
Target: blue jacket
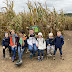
[(6, 41), (58, 41), (49, 41)]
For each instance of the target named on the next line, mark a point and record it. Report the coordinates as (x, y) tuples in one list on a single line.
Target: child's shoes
[(13, 58), (53, 57), (3, 55), (31, 56), (38, 58), (61, 57), (41, 58)]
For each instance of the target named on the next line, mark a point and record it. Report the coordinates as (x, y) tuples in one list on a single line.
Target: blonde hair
[(50, 34), (59, 32), (12, 30)]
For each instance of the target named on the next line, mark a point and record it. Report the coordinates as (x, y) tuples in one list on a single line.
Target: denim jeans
[(39, 52), (60, 50), (14, 51), (32, 49), (20, 53)]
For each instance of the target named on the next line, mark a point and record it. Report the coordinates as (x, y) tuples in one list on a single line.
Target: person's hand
[(13, 46), (3, 47), (37, 45), (9, 45), (48, 44), (21, 49), (32, 45)]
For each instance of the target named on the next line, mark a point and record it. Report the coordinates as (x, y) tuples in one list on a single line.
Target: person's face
[(20, 34), (31, 32), (13, 32), (40, 36), (50, 37), (6, 34), (58, 34)]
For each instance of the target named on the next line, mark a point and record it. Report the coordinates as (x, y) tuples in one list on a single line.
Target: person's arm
[(54, 41), (62, 41), (44, 44), (47, 41), (3, 42)]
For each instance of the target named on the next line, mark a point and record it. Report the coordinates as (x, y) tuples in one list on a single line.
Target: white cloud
[(20, 5)]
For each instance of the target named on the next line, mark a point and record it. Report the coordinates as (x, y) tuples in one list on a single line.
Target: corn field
[(48, 21)]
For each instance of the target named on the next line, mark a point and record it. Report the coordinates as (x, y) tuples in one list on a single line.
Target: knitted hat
[(40, 34)]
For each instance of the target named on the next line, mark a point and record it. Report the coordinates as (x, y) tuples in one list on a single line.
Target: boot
[(41, 58), (3, 55), (61, 57), (53, 57), (38, 58)]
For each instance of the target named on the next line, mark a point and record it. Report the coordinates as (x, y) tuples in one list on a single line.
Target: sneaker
[(34, 55), (31, 56), (20, 62), (50, 54), (61, 58), (38, 58), (3, 55), (17, 62), (10, 58), (13, 58), (53, 57), (41, 58)]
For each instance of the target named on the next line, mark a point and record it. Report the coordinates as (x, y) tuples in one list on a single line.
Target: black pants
[(9, 49), (60, 50)]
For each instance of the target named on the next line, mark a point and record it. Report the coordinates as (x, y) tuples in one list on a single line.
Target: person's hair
[(5, 33), (58, 31), (21, 32), (12, 30), (31, 29)]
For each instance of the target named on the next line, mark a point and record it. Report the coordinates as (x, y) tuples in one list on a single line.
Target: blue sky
[(20, 5)]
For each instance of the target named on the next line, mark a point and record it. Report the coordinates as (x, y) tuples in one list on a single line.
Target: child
[(21, 46), (6, 43), (13, 43), (32, 43), (49, 42), (41, 45), (58, 42)]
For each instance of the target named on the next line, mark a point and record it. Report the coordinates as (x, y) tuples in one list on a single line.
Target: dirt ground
[(47, 65)]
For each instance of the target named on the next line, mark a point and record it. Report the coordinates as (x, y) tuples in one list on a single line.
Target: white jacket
[(41, 43), (32, 40)]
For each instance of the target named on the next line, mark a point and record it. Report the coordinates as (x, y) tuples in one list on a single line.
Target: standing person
[(49, 42), (21, 46), (13, 43), (32, 43), (6, 44), (58, 42), (41, 45)]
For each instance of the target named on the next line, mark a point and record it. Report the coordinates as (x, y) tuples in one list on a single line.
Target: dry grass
[(37, 16)]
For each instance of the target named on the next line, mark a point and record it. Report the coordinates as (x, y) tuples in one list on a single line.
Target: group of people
[(33, 42)]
